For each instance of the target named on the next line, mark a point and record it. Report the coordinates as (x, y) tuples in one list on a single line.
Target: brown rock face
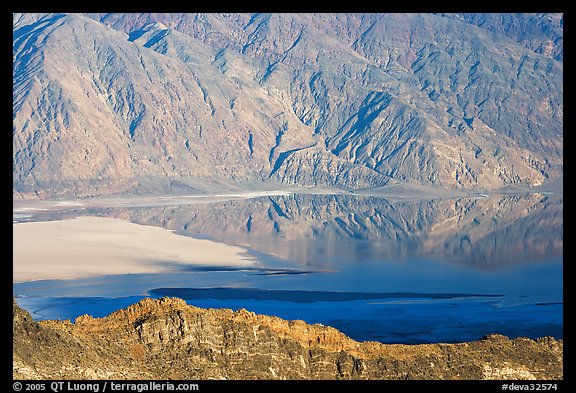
[(168, 339)]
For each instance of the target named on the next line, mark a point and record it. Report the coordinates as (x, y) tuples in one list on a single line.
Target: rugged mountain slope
[(107, 103), (167, 339), (543, 33)]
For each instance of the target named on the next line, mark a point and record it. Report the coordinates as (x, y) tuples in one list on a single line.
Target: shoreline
[(47, 205), (401, 191)]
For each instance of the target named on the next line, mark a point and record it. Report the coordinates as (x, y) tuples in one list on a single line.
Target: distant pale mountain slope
[(543, 33), (109, 103)]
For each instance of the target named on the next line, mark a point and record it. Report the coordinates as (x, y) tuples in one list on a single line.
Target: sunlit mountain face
[(181, 103)]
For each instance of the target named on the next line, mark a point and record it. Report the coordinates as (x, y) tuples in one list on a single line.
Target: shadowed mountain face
[(313, 230), (111, 103)]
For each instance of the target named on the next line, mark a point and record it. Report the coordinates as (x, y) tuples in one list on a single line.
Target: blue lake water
[(395, 271)]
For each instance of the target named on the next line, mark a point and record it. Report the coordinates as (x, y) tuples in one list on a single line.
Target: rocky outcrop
[(168, 339)]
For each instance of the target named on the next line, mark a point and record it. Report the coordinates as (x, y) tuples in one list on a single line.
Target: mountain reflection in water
[(312, 230), (466, 266)]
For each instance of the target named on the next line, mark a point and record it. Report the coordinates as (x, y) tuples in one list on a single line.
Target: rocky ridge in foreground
[(168, 339)]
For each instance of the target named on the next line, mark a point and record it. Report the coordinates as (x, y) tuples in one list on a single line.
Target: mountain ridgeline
[(167, 339), (116, 103)]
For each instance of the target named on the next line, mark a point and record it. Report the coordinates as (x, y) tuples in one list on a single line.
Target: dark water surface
[(396, 271)]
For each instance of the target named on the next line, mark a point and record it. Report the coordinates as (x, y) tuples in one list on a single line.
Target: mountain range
[(153, 103), (167, 339)]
